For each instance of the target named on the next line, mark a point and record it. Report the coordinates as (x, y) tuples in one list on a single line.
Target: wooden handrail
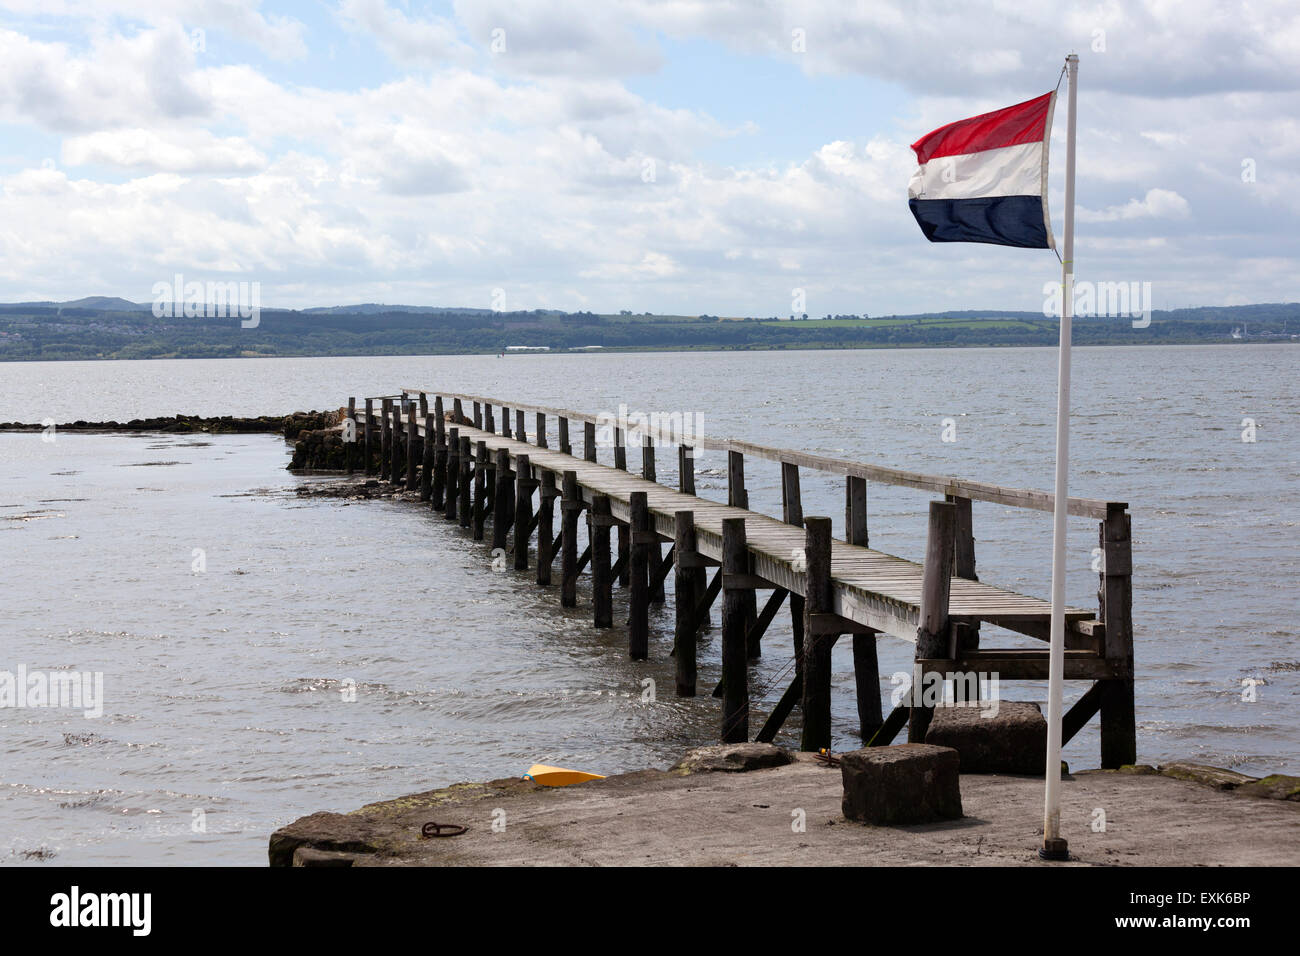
[(937, 484)]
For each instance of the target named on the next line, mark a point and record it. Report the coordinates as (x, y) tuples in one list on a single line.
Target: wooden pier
[(477, 460)]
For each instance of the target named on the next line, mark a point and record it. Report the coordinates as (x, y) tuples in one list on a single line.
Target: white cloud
[(1156, 204), (189, 151)]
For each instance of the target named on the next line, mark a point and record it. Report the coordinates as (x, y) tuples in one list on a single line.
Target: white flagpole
[(1054, 846)]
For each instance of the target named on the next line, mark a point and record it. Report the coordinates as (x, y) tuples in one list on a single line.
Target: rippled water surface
[(225, 687)]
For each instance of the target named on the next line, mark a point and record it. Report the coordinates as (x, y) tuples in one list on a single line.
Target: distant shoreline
[(649, 349)]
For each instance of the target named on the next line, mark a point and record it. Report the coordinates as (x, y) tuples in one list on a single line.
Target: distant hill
[(99, 327), (101, 303), (374, 308)]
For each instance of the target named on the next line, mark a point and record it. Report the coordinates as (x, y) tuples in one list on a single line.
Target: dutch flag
[(984, 179)]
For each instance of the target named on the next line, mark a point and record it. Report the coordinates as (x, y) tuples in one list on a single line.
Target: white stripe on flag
[(1006, 171)]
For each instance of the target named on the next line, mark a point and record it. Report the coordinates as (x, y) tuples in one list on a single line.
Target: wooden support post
[(967, 636), (465, 508), (524, 487), (478, 415), (792, 513), (602, 585), (457, 411), (350, 451), (424, 404), (686, 481), (1115, 595), (453, 474), (589, 441), (541, 430), (489, 424), (570, 505), (686, 559), (816, 704), (439, 488), (426, 459), (855, 510), (866, 679), (624, 554), (480, 488), (620, 449), (521, 434), (934, 633), (505, 422), (656, 549), (735, 672), (566, 447), (503, 501), (412, 439), (738, 497), (545, 527), (369, 438), (639, 571), (385, 436), (395, 445)]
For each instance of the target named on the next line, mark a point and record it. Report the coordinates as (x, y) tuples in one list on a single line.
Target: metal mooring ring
[(442, 830)]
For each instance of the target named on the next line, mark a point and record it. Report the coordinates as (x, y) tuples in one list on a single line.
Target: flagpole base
[(1055, 849)]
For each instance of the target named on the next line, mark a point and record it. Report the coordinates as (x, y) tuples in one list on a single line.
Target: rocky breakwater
[(318, 441)]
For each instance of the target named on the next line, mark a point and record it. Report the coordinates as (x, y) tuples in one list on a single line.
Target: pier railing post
[(735, 670), (738, 497), (369, 437), (480, 488), (439, 455), (934, 632), (570, 505), (489, 423), (1118, 717), (395, 443), (546, 527), (478, 415), (453, 474), (412, 437), (966, 637), (638, 635), (697, 583), (350, 449), (855, 510), (566, 447), (502, 501), (817, 646), (599, 521), (620, 449), (866, 663), (525, 485), (521, 434), (458, 411), (385, 437), (463, 482), (686, 469), (505, 422), (541, 430), (656, 550), (589, 441), (426, 464), (686, 559)]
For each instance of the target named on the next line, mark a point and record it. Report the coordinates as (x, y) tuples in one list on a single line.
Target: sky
[(675, 156)]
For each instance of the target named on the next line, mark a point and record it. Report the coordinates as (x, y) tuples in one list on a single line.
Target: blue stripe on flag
[(1001, 220)]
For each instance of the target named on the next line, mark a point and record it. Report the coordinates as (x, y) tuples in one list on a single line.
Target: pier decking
[(472, 472)]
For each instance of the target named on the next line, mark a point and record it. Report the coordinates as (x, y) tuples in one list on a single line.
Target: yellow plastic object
[(558, 776)]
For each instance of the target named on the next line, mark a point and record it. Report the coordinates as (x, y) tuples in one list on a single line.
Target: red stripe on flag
[(1022, 123)]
